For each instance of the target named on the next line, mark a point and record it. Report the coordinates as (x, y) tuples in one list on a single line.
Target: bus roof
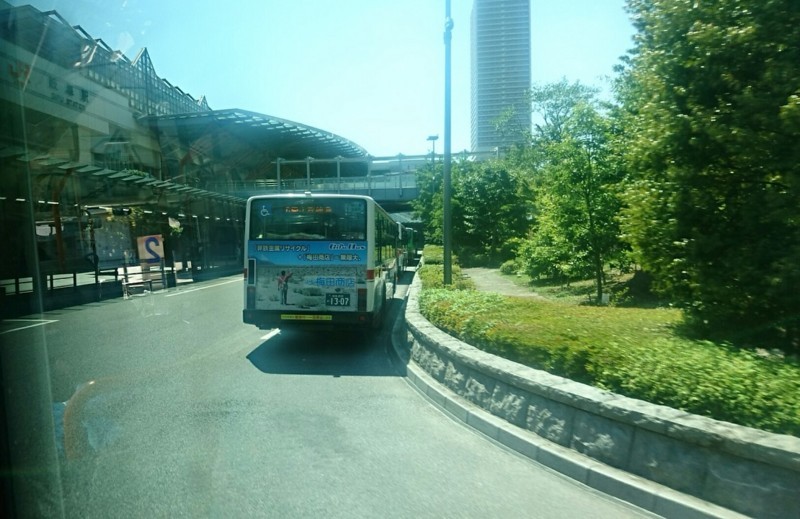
[(309, 194)]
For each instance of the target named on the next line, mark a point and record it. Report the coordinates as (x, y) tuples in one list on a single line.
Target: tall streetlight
[(446, 207), (433, 139)]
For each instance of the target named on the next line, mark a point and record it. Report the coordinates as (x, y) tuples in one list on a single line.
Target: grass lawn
[(638, 352)]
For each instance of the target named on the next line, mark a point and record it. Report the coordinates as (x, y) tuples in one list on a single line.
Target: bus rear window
[(308, 219)]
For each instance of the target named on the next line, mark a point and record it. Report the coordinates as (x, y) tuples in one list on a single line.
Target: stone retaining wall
[(742, 469)]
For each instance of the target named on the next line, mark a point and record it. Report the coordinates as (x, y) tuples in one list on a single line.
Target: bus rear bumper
[(268, 319)]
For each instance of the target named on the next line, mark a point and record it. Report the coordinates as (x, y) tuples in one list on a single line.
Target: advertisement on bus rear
[(309, 253), (309, 276)]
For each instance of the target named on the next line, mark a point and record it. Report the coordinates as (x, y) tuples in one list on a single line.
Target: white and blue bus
[(318, 259)]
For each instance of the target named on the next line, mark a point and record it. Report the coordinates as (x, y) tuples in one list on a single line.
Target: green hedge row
[(432, 276), (630, 351)]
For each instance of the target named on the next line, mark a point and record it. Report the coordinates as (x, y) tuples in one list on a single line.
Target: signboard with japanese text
[(299, 253), (309, 275)]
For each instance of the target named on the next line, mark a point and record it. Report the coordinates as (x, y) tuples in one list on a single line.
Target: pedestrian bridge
[(385, 188), (389, 180), (386, 179)]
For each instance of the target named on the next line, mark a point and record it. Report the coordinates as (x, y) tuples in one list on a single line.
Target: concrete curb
[(410, 338)]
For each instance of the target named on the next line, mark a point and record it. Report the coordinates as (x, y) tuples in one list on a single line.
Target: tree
[(712, 99), (487, 213), (575, 232), (513, 126), (490, 212), (555, 103), (428, 203)]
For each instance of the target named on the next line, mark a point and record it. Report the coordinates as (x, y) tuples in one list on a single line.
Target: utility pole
[(446, 207)]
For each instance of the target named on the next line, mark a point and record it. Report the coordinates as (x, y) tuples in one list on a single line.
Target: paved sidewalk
[(491, 280)]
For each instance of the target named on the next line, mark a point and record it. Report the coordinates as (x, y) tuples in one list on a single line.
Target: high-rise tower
[(501, 72)]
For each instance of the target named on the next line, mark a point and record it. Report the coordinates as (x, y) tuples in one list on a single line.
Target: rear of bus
[(307, 261)]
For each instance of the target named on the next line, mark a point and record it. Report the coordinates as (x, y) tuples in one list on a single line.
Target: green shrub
[(432, 276), (709, 379), (432, 272), (456, 311), (433, 254), (631, 351), (510, 267)]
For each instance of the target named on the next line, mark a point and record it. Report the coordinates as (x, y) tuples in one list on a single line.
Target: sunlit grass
[(638, 352)]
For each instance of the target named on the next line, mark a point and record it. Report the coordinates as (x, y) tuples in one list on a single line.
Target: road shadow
[(337, 353), (334, 353)]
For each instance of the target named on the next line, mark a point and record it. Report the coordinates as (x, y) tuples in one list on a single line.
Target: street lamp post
[(433, 139), (446, 207)]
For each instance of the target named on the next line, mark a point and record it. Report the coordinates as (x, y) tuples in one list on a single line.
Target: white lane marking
[(272, 333), (203, 288), (37, 322)]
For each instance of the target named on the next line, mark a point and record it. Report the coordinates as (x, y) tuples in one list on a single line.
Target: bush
[(472, 257), (632, 351), (510, 267), (448, 308), (432, 272), (433, 254), (432, 276), (709, 379)]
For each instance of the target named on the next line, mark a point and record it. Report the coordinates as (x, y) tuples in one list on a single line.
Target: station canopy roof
[(248, 139)]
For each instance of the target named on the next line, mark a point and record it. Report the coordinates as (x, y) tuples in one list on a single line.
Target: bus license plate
[(337, 299)]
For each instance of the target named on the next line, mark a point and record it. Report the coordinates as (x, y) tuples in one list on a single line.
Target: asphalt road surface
[(177, 409)]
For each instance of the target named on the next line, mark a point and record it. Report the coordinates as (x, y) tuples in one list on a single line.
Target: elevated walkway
[(391, 187)]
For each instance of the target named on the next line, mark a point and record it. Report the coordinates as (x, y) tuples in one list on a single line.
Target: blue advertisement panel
[(306, 253), (308, 275)]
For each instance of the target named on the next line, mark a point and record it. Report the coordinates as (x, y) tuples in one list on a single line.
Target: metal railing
[(398, 186)]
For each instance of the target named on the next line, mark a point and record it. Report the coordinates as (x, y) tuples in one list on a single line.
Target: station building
[(96, 149)]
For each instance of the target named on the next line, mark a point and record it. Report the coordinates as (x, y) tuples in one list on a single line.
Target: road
[(185, 411)]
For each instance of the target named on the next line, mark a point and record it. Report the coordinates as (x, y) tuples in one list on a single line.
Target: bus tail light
[(251, 297), (362, 299), (250, 271)]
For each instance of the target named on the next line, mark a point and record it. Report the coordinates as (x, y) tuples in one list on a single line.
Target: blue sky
[(371, 71)]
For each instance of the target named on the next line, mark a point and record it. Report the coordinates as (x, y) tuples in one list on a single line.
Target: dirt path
[(490, 280)]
